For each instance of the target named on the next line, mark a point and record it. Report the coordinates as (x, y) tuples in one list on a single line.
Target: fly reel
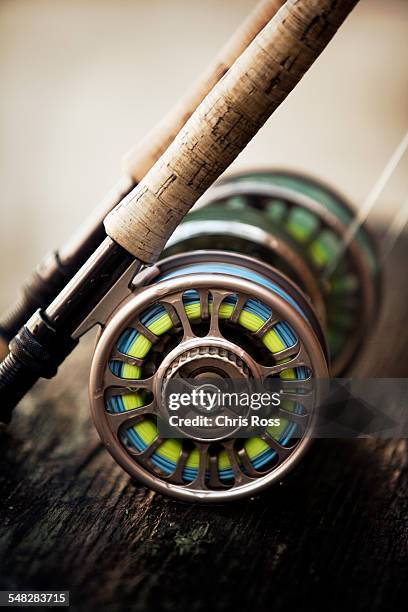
[(202, 314), (226, 312), (298, 225)]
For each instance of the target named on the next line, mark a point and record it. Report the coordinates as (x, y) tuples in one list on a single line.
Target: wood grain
[(224, 123), (333, 536), (144, 155)]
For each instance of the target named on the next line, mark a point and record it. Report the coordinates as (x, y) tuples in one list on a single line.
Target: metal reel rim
[(312, 180), (103, 350)]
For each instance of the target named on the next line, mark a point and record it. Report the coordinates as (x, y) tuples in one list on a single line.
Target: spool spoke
[(199, 480), (145, 331), (301, 420), (281, 451), (306, 400), (217, 299), (278, 368), (214, 480), (239, 476), (297, 385), (247, 463), (177, 475), (119, 420), (205, 311), (124, 358), (288, 352), (150, 448), (300, 359), (263, 330), (239, 305), (132, 384), (173, 316), (176, 302), (299, 392)]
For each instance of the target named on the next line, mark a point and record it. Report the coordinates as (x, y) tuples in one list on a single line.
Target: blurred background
[(83, 80)]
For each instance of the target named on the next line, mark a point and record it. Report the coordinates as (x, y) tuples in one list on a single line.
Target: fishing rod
[(57, 268), (236, 290)]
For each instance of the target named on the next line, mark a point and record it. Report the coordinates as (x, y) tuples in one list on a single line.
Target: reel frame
[(307, 352)]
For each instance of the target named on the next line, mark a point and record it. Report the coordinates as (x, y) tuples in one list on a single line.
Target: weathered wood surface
[(334, 534)]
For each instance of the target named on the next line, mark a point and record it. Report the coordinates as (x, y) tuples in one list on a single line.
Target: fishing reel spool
[(298, 225), (242, 293)]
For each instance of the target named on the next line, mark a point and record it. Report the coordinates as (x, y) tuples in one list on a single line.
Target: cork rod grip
[(224, 123), (141, 158)]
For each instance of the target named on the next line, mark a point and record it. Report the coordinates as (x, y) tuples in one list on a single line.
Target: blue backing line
[(214, 268)]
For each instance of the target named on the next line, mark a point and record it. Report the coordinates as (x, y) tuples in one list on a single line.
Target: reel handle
[(141, 158), (224, 123)]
